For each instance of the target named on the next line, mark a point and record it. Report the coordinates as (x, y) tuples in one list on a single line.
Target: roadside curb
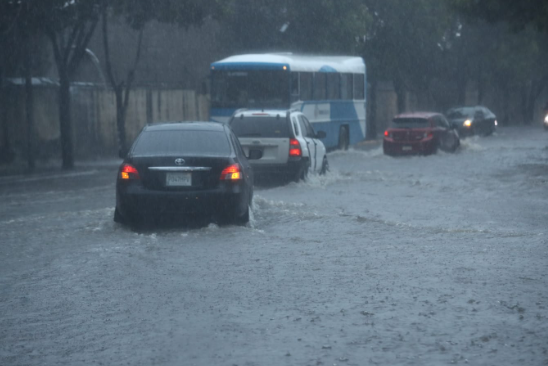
[(20, 169)]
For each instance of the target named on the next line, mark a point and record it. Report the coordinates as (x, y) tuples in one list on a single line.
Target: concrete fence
[(94, 114), (93, 117)]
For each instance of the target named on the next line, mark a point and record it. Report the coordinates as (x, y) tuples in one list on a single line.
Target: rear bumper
[(289, 168), (134, 200), (391, 147)]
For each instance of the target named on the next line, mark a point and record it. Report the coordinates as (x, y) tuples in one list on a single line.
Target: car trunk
[(408, 134), (196, 173)]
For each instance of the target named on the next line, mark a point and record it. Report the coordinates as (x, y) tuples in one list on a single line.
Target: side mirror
[(255, 154), (320, 134)]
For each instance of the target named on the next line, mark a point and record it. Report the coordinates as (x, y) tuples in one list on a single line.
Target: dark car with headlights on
[(477, 120), (419, 133), (184, 169)]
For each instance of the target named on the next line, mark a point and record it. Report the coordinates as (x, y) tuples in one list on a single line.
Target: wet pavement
[(383, 261)]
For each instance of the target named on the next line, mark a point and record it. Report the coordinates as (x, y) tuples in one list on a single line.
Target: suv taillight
[(294, 148), (232, 172), (129, 172)]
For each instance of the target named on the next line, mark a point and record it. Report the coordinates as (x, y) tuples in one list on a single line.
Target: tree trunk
[(68, 52), (526, 114), (481, 86), (461, 85), (401, 96), (6, 155), (372, 118), (67, 150), (121, 89), (120, 119), (29, 105), (533, 93), (505, 104)]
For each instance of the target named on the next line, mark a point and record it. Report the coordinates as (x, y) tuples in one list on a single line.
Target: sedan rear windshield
[(410, 123), (460, 113), (177, 142), (254, 126)]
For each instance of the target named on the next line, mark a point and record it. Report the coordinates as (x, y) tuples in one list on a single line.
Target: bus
[(328, 90)]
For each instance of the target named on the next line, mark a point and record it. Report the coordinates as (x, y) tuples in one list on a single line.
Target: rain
[(382, 260)]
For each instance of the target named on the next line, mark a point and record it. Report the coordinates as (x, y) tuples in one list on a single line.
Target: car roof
[(468, 107), (186, 126), (263, 112), (425, 115)]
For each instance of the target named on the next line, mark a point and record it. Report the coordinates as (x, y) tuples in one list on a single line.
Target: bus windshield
[(250, 89)]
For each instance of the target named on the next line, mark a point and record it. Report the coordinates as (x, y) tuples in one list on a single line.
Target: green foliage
[(519, 14), (185, 13), (313, 26), (406, 40)]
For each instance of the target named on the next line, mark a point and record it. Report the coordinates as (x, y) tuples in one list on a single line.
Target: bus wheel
[(343, 138)]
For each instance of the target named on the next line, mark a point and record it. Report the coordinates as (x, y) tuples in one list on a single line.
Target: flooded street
[(384, 261)]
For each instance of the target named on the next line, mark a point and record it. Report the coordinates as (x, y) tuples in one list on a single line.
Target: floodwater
[(384, 261)]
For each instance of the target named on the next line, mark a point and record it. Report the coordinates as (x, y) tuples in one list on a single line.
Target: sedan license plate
[(406, 148), (178, 179)]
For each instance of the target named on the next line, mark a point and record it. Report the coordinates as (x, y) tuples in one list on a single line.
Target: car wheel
[(492, 128), (301, 174), (230, 218), (435, 146), (325, 166), (244, 219), (118, 218), (343, 138), (457, 144)]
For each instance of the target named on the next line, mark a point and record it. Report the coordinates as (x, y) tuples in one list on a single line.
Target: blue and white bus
[(329, 90)]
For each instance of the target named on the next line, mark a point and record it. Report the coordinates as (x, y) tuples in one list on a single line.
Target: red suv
[(420, 133)]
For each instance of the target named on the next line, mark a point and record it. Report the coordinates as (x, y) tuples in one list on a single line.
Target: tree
[(122, 86), (519, 14), (518, 55), (137, 13), (69, 27), (309, 26), (404, 43), (19, 34)]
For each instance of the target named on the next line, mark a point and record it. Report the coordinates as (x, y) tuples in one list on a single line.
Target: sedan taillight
[(232, 172), (129, 172)]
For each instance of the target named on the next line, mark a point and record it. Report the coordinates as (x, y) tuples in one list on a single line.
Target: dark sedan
[(470, 121), (178, 170), (419, 133)]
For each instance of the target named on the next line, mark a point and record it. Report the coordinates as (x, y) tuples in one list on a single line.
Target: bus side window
[(320, 86), (295, 90), (333, 86), (359, 84), (306, 85), (346, 86)]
